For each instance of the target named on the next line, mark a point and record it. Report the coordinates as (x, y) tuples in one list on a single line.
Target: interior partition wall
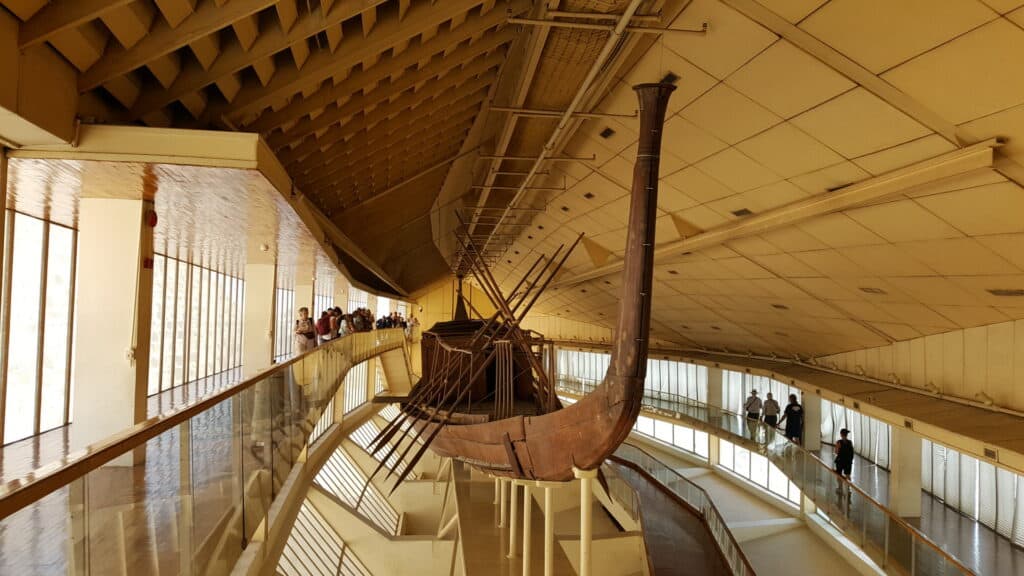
[(37, 315), (196, 327)]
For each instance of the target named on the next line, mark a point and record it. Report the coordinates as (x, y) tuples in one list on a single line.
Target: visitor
[(305, 332), (323, 327), (771, 410), (843, 450), (753, 406), (793, 417)]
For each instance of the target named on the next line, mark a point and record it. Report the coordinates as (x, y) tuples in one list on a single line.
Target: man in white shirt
[(771, 410)]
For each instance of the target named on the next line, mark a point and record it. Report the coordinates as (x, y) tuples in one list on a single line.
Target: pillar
[(504, 503), (258, 313), (586, 478), (341, 292), (112, 326), (549, 534), (905, 473), (527, 519), (812, 421), (513, 524), (716, 393)]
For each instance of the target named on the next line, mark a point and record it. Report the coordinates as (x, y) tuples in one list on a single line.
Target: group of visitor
[(793, 417), (334, 323)]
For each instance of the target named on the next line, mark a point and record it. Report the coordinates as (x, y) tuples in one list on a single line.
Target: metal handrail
[(583, 388), (711, 511), (22, 492)]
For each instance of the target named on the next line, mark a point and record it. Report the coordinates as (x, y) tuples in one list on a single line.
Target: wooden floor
[(678, 542)]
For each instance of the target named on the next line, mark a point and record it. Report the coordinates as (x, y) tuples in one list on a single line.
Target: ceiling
[(380, 111)]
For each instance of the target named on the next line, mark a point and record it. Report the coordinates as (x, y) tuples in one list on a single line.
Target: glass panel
[(23, 351), (58, 326)]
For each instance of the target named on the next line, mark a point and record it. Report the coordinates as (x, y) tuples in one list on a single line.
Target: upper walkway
[(186, 490)]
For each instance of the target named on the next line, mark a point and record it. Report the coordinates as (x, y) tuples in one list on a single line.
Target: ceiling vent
[(1006, 291), (606, 133), (565, 208), (528, 237), (715, 328), (583, 290), (673, 272), (856, 405), (588, 195), (780, 306), (685, 327), (783, 334), (742, 212), (870, 290), (540, 227), (991, 454), (608, 282), (908, 424), (670, 78)]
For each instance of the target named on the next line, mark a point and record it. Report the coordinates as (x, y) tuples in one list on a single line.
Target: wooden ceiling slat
[(163, 39), (354, 50), (176, 11), (130, 24), (334, 93), (60, 15), (332, 115)]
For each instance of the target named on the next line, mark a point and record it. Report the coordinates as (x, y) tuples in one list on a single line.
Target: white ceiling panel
[(788, 151), (729, 115), (731, 40), (737, 171)]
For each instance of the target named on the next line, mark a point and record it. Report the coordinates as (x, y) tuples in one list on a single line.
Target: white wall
[(961, 363)]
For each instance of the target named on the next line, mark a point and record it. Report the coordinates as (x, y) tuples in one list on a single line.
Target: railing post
[(549, 534), (527, 519), (504, 503), (513, 524)]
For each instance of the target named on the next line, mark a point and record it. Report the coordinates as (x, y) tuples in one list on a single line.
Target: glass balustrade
[(184, 492), (889, 541)]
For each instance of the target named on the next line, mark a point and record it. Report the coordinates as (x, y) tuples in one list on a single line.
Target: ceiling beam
[(336, 137), (59, 15), (953, 163), (235, 58), (383, 94), (163, 39), (331, 93)]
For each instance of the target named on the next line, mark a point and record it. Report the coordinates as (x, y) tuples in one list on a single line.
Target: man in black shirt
[(793, 417), (843, 450)]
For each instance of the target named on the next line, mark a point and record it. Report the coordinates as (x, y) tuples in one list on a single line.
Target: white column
[(513, 524), (258, 323), (812, 421), (586, 478), (549, 534), (527, 519), (713, 450), (112, 324), (305, 280), (504, 503), (497, 491), (905, 473), (341, 292), (716, 393)]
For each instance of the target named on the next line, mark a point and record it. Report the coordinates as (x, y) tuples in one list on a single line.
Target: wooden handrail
[(19, 493)]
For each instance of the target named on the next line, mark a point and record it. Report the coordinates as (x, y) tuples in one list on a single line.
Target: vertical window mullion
[(44, 258), (72, 281)]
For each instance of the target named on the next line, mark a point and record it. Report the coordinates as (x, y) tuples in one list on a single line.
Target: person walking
[(771, 410), (843, 450), (793, 417), (753, 406)]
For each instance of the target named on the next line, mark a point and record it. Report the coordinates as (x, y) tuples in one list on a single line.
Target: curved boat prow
[(583, 435)]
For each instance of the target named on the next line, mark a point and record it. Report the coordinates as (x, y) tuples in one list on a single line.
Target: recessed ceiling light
[(1006, 291), (528, 237), (715, 328), (687, 253), (742, 212), (673, 272), (517, 252), (584, 290), (540, 227), (565, 208), (588, 195), (780, 306), (870, 290), (509, 261), (606, 133)]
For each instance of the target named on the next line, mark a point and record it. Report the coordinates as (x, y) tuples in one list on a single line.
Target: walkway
[(976, 545), (768, 534), (673, 531)]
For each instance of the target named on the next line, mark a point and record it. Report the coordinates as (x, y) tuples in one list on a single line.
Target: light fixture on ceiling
[(588, 195), (780, 306), (742, 212), (870, 290), (673, 272), (1006, 291), (606, 133)]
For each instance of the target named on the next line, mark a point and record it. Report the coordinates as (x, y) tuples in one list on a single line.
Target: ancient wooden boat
[(486, 397)]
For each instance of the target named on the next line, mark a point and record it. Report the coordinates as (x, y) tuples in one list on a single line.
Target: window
[(669, 379), (324, 294), (871, 437), (40, 266), (383, 306), (284, 313), (357, 299), (738, 385), (980, 490), (756, 469), (684, 438), (196, 327)]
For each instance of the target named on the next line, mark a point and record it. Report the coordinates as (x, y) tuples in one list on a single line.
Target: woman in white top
[(305, 332)]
